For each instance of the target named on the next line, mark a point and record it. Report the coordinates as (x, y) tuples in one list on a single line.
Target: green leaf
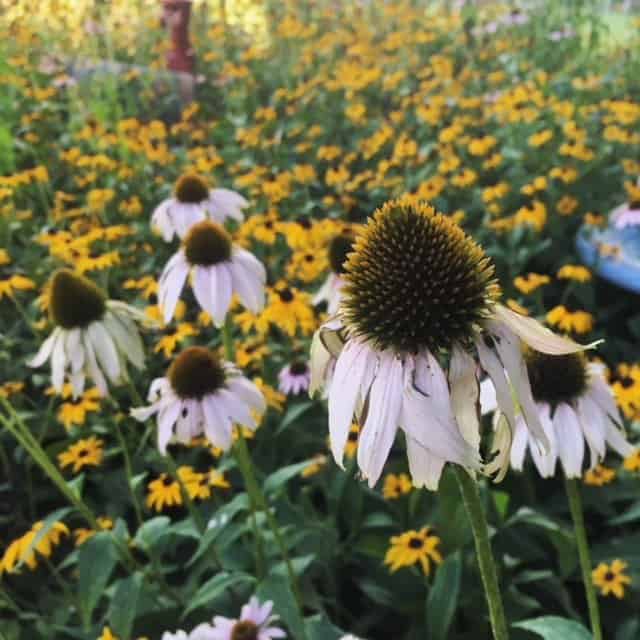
[(213, 587), (320, 628), (299, 565), (631, 515), (277, 589), (278, 479), (122, 609), (553, 628), (293, 413), (151, 531), (442, 600), (96, 561)]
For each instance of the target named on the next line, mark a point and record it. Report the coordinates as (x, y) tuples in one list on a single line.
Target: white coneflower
[(218, 270), (255, 623), (193, 201), (339, 247), (201, 394), (94, 337), (294, 378), (417, 287), (575, 404)]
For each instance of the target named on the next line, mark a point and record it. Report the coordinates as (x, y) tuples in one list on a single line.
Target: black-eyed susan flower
[(163, 492), (530, 282), (192, 202), (632, 461), (87, 452), (289, 309), (81, 535), (577, 322), (599, 476), (611, 579), (626, 388), (575, 405), (413, 547), (396, 486), (74, 410), (201, 394), (218, 270), (23, 550), (416, 286), (94, 337), (574, 272)]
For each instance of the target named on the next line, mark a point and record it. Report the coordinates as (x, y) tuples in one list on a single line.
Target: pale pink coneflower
[(294, 378), (417, 288), (255, 623), (218, 270), (200, 394), (193, 202), (93, 337), (575, 405)]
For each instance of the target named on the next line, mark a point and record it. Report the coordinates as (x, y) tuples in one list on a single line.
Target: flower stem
[(129, 473), (471, 498), (575, 505)]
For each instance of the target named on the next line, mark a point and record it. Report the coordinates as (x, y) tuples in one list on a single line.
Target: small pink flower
[(294, 378)]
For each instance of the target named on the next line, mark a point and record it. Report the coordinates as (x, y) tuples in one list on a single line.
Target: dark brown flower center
[(298, 368), (416, 543), (556, 379), (286, 295), (196, 372), (340, 246), (191, 188), (244, 630), (75, 301), (207, 243)]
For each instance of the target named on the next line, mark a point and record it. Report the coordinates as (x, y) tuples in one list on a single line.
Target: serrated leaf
[(96, 561), (442, 600), (554, 627), (122, 609)]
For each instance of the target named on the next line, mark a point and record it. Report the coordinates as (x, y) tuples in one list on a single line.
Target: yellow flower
[(396, 486), (308, 265), (632, 462), (15, 283), (290, 309), (529, 283), (317, 464), (517, 307), (81, 535), (163, 491), (84, 453), (540, 138), (74, 411), (22, 550), (567, 205), (168, 343), (611, 579), (574, 272), (4, 257), (274, 398), (565, 174), (412, 547), (626, 389), (352, 441), (481, 146), (570, 321), (9, 388), (251, 351), (147, 285), (107, 635), (599, 476)]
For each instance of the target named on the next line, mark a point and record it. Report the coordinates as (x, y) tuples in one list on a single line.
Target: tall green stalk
[(471, 498), (575, 505)]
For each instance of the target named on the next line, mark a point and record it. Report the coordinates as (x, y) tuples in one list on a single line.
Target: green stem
[(129, 473), (257, 499), (471, 498), (575, 504)]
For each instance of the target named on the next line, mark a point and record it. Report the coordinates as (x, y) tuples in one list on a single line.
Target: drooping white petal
[(519, 444), (495, 370), (248, 287), (161, 220), (92, 365), (58, 361), (509, 349), (201, 286), (167, 417), (488, 400), (601, 393), (379, 430), (45, 349), (594, 425), (235, 408), (217, 426), (617, 441), (127, 342), (465, 393), (537, 336), (74, 350), (225, 203), (424, 466), (546, 462), (346, 387), (142, 414), (247, 392), (250, 262), (220, 283), (170, 287), (105, 350), (570, 440), (500, 449)]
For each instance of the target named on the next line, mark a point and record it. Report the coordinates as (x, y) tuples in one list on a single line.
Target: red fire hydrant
[(175, 15)]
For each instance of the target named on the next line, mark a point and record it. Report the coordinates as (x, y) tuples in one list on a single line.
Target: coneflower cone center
[(416, 281), (207, 243), (196, 372), (191, 188), (298, 368), (75, 301), (244, 630), (339, 247), (556, 379)]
